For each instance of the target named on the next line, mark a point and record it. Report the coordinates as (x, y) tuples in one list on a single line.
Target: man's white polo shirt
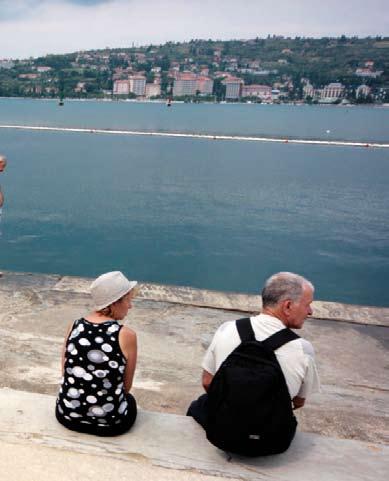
[(296, 358)]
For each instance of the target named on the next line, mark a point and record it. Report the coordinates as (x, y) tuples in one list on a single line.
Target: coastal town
[(273, 70)]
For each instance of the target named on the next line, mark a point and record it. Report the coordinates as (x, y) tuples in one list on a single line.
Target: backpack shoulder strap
[(278, 339), (245, 330)]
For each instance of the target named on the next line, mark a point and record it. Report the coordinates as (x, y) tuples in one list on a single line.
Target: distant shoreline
[(163, 101)]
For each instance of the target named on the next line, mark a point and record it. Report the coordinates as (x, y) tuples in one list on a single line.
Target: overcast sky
[(38, 27)]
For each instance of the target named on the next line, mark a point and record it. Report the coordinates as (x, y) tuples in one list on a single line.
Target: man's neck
[(274, 313)]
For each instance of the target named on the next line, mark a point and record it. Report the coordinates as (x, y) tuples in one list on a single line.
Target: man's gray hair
[(3, 159), (282, 286)]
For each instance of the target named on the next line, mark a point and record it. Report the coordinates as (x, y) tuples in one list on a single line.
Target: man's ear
[(286, 305)]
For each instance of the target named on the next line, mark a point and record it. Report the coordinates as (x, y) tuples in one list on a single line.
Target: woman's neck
[(97, 318)]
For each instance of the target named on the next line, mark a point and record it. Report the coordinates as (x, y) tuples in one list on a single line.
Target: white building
[(6, 63), (152, 90), (121, 87), (233, 87), (263, 92), (43, 69), (308, 90), (332, 92), (185, 84), (138, 85), (189, 84), (367, 72), (362, 91), (204, 85), (80, 87)]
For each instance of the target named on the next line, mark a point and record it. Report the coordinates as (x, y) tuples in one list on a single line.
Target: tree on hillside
[(219, 89)]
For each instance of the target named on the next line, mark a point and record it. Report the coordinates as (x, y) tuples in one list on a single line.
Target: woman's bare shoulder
[(127, 335)]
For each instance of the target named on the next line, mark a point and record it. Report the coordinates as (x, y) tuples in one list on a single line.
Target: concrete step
[(177, 442), (173, 334)]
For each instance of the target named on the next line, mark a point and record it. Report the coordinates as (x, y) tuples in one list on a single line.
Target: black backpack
[(249, 410)]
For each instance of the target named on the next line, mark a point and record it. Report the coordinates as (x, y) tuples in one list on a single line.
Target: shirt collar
[(274, 321)]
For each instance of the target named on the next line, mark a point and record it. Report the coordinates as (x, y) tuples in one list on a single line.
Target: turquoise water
[(308, 122), (220, 215)]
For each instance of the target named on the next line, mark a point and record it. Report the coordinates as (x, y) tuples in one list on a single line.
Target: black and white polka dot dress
[(92, 391)]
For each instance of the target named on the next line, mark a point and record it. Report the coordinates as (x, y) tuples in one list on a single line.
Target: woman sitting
[(98, 363)]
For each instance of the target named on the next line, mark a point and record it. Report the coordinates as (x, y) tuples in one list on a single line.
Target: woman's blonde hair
[(108, 311)]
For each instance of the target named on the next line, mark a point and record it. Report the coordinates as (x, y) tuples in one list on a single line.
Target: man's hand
[(298, 402)]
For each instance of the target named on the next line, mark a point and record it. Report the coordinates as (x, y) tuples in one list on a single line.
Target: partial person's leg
[(198, 410), (126, 424), (132, 411), (115, 430)]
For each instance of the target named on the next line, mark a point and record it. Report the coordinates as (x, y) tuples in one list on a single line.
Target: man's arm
[(311, 381), (1, 199), (206, 379)]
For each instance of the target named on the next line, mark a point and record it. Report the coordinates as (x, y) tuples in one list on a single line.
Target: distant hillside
[(283, 63)]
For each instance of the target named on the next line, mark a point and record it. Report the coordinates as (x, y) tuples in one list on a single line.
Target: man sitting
[(286, 300)]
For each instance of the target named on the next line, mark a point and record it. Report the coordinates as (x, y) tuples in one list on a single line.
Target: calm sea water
[(220, 215), (308, 122)]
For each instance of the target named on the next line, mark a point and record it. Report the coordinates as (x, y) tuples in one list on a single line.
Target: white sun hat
[(109, 288)]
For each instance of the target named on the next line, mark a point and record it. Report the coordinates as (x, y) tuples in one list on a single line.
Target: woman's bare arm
[(128, 345), (64, 349)]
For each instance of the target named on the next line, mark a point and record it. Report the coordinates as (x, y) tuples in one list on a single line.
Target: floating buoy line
[(344, 143)]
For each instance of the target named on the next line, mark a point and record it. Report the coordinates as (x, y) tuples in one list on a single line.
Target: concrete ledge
[(233, 301), (173, 335), (336, 311), (177, 442)]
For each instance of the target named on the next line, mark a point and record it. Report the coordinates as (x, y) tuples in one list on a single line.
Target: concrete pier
[(343, 430), (240, 138)]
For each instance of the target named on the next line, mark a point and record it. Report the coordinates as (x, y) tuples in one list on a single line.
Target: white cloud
[(38, 27)]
